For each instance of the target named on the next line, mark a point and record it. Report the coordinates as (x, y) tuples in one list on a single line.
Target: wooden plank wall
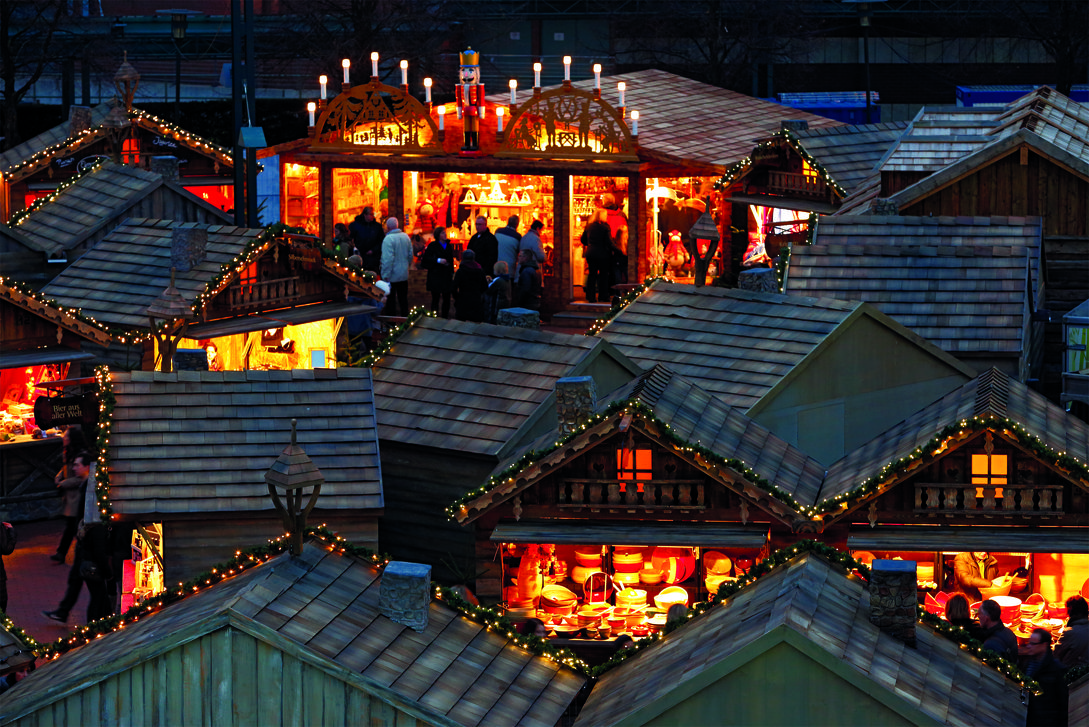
[(192, 547), (224, 678), (1016, 185), (417, 489)]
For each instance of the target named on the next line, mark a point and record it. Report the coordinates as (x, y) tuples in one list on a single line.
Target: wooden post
[(637, 254), (325, 208), (396, 199), (559, 290)]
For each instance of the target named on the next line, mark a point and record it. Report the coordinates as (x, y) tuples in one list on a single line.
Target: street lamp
[(865, 12), (179, 22)]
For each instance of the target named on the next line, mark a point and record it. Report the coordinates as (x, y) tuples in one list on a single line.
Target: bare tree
[(419, 31), (721, 42), (1061, 27), (27, 31)]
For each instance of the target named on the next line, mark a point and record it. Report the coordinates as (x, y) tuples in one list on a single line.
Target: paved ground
[(35, 583)]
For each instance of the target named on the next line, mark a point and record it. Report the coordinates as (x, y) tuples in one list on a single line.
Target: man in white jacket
[(396, 260)]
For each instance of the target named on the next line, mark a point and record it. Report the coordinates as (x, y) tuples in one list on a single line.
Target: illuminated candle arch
[(568, 123), (377, 117)]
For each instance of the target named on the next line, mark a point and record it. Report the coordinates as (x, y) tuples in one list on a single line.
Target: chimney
[(885, 207), (166, 167), (576, 400), (404, 595), (893, 598), (794, 125), (187, 247), (79, 120)]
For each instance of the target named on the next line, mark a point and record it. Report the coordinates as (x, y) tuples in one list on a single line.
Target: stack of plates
[(925, 571), (631, 598)]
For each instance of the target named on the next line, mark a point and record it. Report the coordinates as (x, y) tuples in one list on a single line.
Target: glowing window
[(990, 470), (634, 464), (249, 275), (808, 170), (131, 151)]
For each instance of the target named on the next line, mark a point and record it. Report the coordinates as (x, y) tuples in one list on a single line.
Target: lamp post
[(865, 12), (179, 23)]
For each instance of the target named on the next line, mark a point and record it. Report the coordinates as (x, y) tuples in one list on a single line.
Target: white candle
[(567, 68), (597, 76), (404, 73), (513, 92), (537, 75), (635, 123), (311, 107), (442, 117), (621, 87), (323, 79), (374, 63), (499, 115), (346, 64), (427, 90)]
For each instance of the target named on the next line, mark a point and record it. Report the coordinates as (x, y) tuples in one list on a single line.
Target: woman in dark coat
[(438, 261), (469, 286)]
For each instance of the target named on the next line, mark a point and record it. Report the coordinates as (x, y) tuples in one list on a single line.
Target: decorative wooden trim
[(377, 118)]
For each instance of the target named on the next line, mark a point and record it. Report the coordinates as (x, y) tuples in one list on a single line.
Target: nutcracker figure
[(470, 98)]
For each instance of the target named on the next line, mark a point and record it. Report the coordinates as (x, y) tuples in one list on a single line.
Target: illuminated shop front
[(557, 156)]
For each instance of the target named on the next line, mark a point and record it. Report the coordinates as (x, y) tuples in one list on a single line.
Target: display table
[(28, 465)]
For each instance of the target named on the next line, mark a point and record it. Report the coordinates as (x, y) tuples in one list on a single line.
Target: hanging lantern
[(294, 472)]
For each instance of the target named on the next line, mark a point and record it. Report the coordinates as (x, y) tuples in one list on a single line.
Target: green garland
[(938, 443), (391, 338), (242, 561), (107, 402), (737, 170), (620, 305), (498, 621), (846, 564), (23, 289), (644, 412), (20, 216)]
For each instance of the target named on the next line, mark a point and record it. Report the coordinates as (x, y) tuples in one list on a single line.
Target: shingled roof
[(734, 343), (992, 393), (105, 196), (810, 607), (321, 608), (116, 280), (202, 441), (681, 120), (693, 416), (475, 387), (967, 284), (850, 153)]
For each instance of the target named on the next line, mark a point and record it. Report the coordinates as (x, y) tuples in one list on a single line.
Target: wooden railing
[(791, 183), (266, 294), (958, 499), (655, 495)]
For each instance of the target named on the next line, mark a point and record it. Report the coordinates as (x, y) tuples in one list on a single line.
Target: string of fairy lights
[(637, 410), (20, 216), (66, 316), (148, 121), (736, 171), (619, 305), (494, 619)]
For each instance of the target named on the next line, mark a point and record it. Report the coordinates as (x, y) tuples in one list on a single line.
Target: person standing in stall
[(396, 260), (509, 241), (484, 245), (532, 241), (438, 261), (972, 571), (367, 235), (469, 285), (597, 243)]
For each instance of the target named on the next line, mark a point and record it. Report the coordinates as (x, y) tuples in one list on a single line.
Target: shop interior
[(598, 592), (304, 346), (1031, 588), (142, 571), (21, 387)]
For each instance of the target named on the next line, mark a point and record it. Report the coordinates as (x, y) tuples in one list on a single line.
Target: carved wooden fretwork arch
[(380, 118), (568, 123)]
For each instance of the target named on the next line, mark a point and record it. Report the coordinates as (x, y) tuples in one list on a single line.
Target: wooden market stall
[(39, 166), (320, 638), (188, 453), (241, 298), (657, 495), (991, 467), (41, 357), (563, 153)]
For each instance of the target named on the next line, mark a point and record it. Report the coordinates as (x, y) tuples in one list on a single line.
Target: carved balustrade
[(625, 494), (796, 184), (959, 499)]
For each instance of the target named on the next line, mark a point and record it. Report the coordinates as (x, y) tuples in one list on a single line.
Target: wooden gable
[(290, 272), (778, 174), (28, 323), (1025, 181), (985, 478), (625, 468)]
